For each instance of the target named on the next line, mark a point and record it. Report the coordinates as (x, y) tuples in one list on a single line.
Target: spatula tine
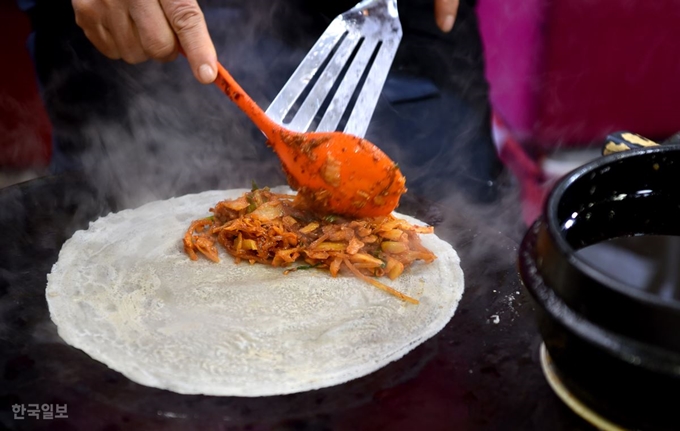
[(304, 117), (374, 24), (362, 111), (341, 98), (298, 81)]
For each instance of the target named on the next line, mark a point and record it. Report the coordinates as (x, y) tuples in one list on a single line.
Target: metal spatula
[(337, 85)]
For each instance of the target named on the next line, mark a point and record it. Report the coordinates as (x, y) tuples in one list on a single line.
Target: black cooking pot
[(615, 347)]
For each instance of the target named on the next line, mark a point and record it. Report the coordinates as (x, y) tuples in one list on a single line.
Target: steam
[(489, 233), (160, 133), (155, 133), (152, 132), (163, 134)]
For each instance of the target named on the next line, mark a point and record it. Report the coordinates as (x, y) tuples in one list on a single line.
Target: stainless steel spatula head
[(337, 85)]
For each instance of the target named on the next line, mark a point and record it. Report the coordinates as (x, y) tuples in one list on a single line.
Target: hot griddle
[(475, 374)]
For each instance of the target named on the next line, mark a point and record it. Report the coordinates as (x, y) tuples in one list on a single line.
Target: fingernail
[(447, 25), (206, 73)]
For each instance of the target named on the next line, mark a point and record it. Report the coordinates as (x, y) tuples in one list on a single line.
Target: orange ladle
[(335, 172)]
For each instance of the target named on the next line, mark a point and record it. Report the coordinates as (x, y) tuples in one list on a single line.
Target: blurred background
[(562, 74), (25, 129)]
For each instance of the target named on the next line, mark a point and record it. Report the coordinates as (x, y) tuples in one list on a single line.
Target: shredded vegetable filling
[(278, 230)]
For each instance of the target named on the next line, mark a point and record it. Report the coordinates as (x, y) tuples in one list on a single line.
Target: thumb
[(445, 14), (187, 21)]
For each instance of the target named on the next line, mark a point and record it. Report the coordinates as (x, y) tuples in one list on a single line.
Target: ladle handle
[(624, 141), (230, 87)]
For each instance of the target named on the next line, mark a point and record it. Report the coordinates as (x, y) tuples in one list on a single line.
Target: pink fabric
[(567, 72), (609, 65), (534, 185), (512, 38)]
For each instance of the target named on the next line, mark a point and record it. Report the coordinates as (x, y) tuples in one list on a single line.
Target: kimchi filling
[(277, 229)]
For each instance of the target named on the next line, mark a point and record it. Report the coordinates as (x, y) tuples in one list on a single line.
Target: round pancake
[(124, 292)]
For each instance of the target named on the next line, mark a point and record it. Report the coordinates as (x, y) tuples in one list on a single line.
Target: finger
[(445, 14), (186, 19), (125, 35), (89, 17), (157, 38), (103, 41)]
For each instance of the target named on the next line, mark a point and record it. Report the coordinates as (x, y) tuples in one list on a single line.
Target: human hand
[(445, 13), (137, 30)]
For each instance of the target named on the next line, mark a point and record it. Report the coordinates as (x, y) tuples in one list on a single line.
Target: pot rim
[(550, 211), (619, 346)]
